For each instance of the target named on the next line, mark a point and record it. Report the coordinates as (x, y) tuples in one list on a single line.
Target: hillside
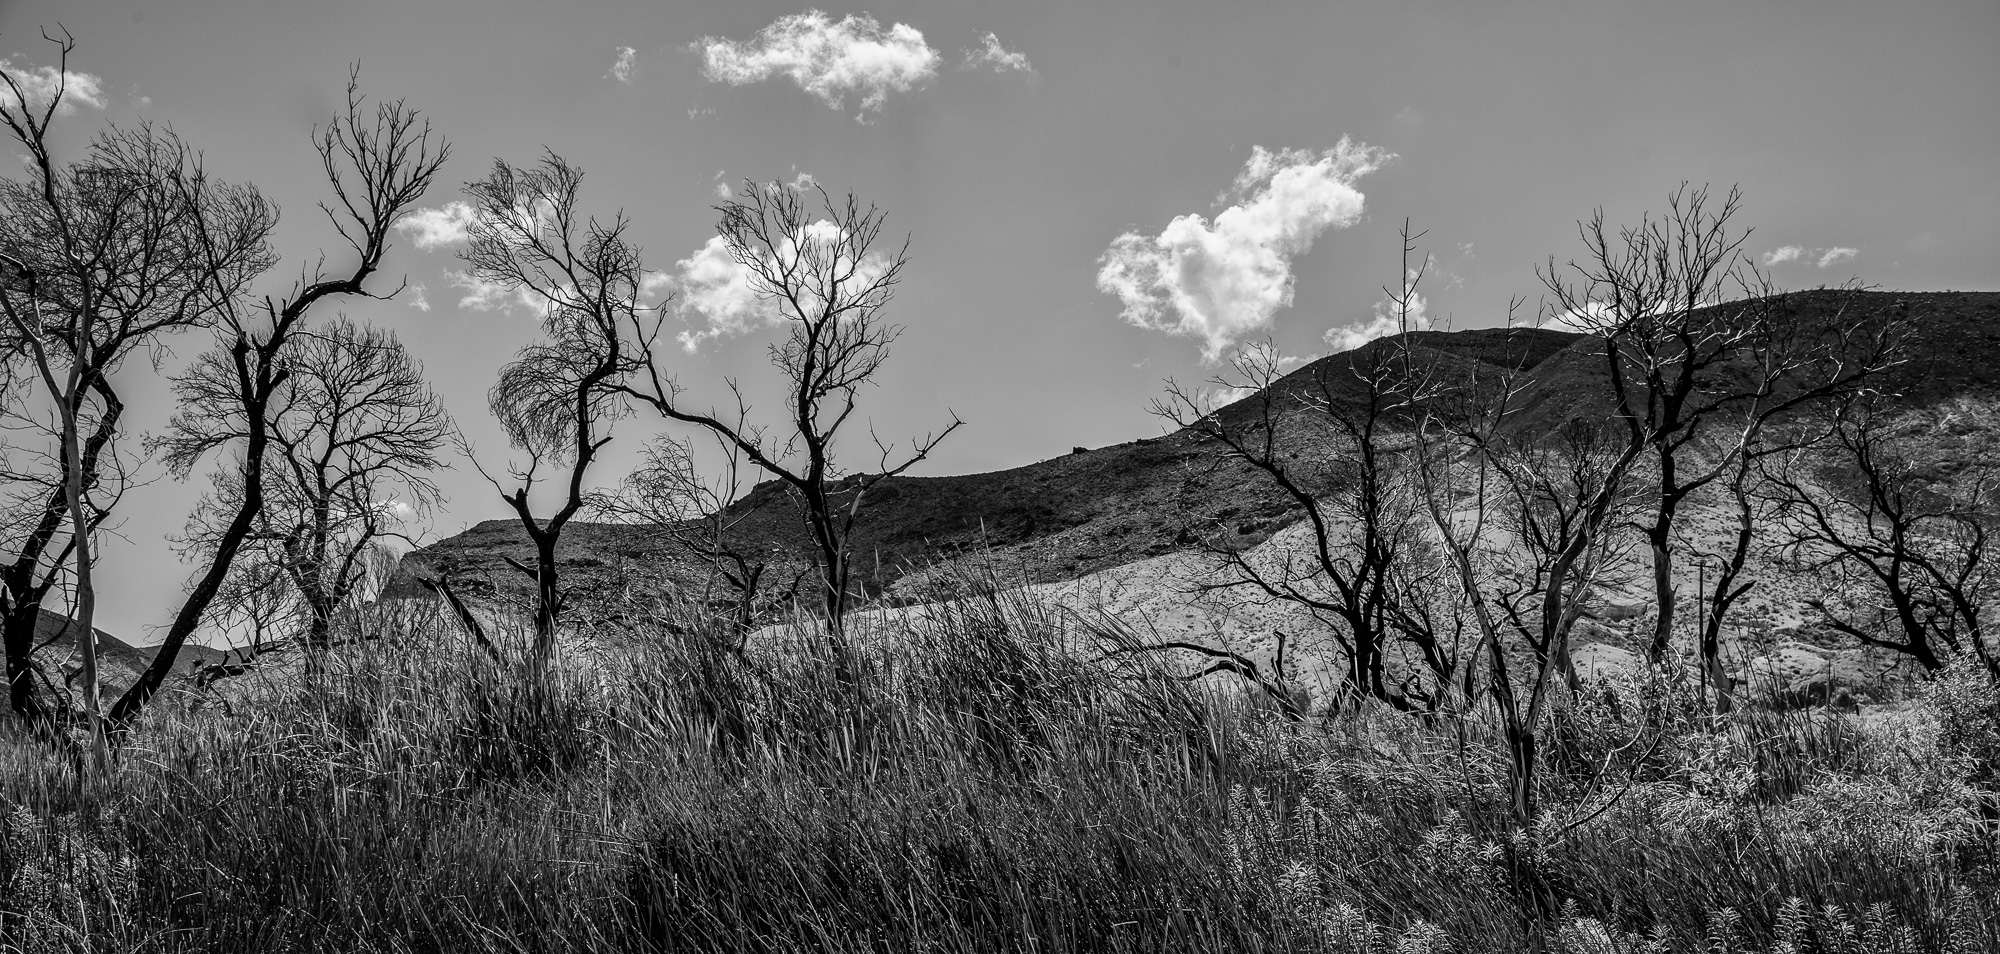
[(1095, 509), (120, 662)]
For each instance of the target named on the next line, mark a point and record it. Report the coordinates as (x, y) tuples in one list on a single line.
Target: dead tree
[(1699, 353), (1526, 522), (1909, 554), (558, 399), (104, 258), (377, 167), (826, 282), (354, 433), (671, 498)]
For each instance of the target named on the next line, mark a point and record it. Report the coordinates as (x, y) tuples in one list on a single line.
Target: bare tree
[(671, 497), (1526, 522), (1327, 439), (353, 434), (1908, 556), (826, 281), (103, 258), (1700, 354), (558, 399), (377, 166)]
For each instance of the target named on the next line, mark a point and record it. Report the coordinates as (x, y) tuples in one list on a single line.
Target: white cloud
[(482, 295), (723, 191), (621, 68), (1825, 257), (1788, 253), (1387, 321), (991, 53), (801, 182), (1224, 280), (728, 298), (430, 229), (722, 290), (417, 298), (41, 83), (826, 58)]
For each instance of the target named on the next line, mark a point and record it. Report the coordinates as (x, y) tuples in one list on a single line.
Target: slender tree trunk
[(1663, 588), (548, 598), (85, 615)]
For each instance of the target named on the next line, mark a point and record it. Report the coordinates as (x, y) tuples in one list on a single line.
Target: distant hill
[(119, 662), (1094, 509)]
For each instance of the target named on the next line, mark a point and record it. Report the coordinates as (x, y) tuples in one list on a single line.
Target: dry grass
[(986, 785)]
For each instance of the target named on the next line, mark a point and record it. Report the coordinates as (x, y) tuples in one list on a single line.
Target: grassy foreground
[(988, 785)]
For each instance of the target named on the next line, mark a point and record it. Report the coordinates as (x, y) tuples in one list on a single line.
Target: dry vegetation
[(994, 780)]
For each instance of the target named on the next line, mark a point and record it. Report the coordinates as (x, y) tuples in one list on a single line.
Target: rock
[(1597, 660), (1614, 611), (1796, 675)]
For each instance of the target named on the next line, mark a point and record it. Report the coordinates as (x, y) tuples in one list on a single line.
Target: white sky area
[(1098, 196)]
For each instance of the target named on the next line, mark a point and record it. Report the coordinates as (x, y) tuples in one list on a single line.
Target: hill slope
[(1095, 509)]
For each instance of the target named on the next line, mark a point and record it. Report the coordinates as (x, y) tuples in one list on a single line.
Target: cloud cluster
[(622, 67), (41, 84), (431, 229), (1223, 280), (831, 59), (1827, 257), (725, 297), (991, 53)]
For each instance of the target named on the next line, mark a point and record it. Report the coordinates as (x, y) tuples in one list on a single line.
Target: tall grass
[(991, 781)]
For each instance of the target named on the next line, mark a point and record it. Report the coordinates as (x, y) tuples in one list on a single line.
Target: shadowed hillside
[(1099, 508)]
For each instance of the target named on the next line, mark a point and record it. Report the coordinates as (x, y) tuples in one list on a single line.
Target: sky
[(1098, 196)]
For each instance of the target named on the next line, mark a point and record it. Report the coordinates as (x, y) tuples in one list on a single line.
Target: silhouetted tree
[(377, 167), (1700, 354), (103, 258), (353, 435), (820, 273), (559, 397)]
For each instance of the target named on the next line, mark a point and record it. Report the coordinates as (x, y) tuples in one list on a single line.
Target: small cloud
[(431, 229), (482, 295), (1788, 253), (723, 191), (722, 290), (1824, 257), (801, 182), (40, 84), (705, 112), (992, 54), (1388, 320), (827, 58), (1224, 280), (622, 67), (417, 299)]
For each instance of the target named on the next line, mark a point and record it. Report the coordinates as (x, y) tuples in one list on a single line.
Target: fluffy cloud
[(430, 229), (41, 83), (711, 283), (1387, 321), (621, 68), (726, 298), (482, 295), (829, 59), (418, 300), (1825, 257), (1788, 253), (1220, 281), (992, 54)]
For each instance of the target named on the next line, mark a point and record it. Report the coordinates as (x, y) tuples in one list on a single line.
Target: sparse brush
[(988, 779)]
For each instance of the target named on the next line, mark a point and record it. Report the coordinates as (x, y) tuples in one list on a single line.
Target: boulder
[(1597, 660), (1796, 675), (1615, 611)]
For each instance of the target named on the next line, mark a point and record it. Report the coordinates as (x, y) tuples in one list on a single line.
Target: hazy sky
[(1098, 196)]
